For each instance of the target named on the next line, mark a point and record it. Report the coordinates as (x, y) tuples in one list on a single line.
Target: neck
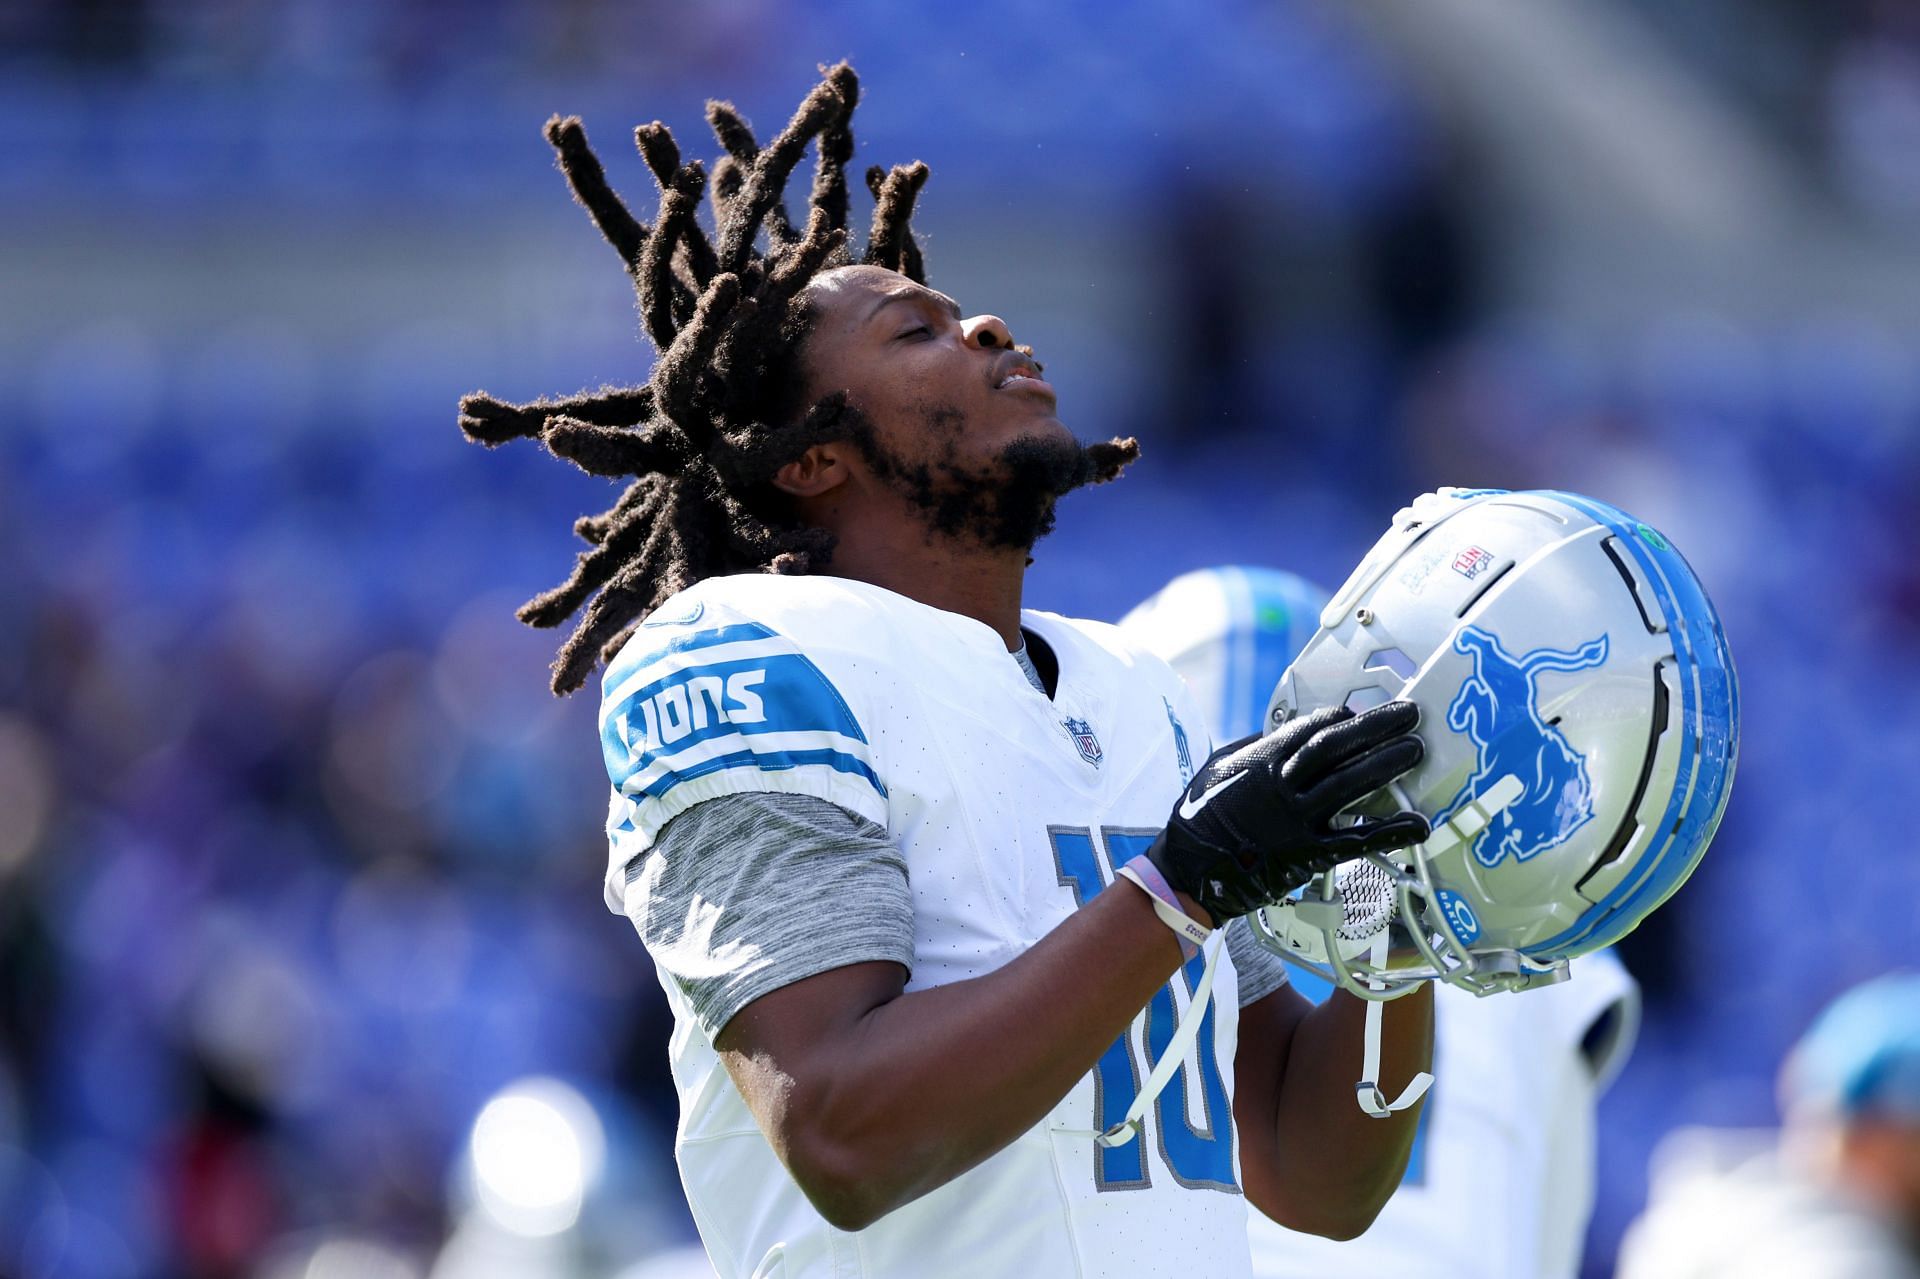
[(945, 573)]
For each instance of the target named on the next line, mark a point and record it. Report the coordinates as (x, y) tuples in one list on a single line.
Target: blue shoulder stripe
[(633, 659), (681, 713), (767, 762), (776, 693)]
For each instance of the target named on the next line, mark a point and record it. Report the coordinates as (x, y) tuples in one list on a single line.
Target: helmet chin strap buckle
[(1323, 913), (1375, 1102), (1499, 971)]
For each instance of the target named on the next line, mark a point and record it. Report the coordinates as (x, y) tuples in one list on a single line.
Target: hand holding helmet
[(1257, 821)]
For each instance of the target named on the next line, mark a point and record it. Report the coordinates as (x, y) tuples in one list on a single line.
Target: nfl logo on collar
[(1084, 741)]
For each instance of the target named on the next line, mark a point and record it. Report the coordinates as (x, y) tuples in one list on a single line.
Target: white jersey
[(1011, 809), (1500, 1185)]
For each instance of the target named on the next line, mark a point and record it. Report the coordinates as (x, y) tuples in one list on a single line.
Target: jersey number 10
[(1199, 1155)]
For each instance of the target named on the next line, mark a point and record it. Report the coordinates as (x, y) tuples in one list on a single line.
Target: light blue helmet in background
[(1861, 1058), (1230, 632)]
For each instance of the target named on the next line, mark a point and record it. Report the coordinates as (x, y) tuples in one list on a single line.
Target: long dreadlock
[(719, 416)]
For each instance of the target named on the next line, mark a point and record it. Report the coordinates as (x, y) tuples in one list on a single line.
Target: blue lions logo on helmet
[(1497, 707)]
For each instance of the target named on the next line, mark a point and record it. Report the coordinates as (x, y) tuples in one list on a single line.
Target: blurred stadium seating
[(299, 863)]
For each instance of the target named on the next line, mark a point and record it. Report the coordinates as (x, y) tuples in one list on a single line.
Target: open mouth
[(1019, 372), (1031, 384), (1023, 375)]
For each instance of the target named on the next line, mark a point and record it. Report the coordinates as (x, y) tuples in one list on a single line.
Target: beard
[(1004, 502)]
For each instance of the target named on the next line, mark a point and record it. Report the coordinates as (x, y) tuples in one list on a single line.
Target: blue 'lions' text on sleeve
[(734, 706)]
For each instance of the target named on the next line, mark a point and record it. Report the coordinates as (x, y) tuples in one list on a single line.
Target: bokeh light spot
[(536, 1148)]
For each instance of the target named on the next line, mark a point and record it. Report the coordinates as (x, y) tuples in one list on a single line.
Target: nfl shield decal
[(1472, 562), (1084, 741)]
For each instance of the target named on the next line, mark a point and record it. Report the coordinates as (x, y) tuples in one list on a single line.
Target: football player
[(1500, 1183), (1835, 1195), (869, 815)]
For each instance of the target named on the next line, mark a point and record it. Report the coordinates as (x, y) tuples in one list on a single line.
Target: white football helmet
[(1230, 632), (1581, 720)]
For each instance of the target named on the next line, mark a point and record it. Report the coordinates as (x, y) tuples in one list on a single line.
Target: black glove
[(1255, 823)]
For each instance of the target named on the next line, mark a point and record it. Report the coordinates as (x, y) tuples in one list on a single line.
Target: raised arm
[(1310, 1158), (872, 1097)]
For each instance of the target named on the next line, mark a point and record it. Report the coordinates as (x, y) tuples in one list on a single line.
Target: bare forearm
[(924, 1086), (1335, 1166)]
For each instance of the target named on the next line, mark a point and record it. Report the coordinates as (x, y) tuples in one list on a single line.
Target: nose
[(989, 332)]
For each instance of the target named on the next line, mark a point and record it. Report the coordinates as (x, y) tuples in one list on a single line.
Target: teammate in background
[(868, 812), (1500, 1183), (1837, 1196)]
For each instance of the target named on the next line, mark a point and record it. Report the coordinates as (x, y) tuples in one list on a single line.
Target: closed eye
[(915, 331)]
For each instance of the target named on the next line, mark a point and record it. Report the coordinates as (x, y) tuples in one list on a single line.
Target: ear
[(818, 470)]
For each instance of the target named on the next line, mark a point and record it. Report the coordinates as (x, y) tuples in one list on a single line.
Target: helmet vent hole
[(1612, 547), (1630, 820), (1485, 586), (1365, 699), (1391, 659)]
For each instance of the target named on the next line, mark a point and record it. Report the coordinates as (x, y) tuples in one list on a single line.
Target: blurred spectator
[(1837, 1196)]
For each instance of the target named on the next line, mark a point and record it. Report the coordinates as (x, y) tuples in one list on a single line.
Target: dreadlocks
[(720, 415)]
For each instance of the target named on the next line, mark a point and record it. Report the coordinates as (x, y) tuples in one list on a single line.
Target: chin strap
[(1184, 1034), (1371, 1099)]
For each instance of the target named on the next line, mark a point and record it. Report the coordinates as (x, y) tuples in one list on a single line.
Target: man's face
[(1885, 1152), (958, 420)]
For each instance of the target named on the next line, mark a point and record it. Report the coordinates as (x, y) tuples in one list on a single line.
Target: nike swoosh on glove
[(1256, 823)]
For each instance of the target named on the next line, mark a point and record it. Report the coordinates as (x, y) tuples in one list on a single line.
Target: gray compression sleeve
[(1261, 972), (747, 893)]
